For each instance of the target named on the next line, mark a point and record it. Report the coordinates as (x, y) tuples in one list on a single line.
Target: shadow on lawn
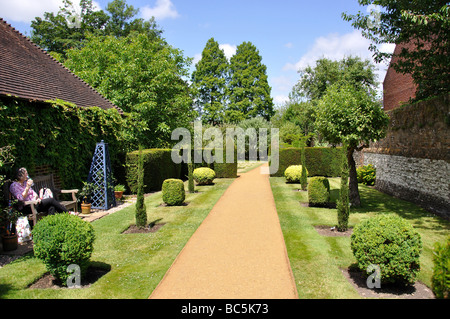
[(373, 200)]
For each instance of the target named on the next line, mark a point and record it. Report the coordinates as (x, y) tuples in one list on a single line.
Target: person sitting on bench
[(21, 190)]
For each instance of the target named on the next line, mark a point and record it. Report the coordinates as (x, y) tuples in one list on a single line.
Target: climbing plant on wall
[(61, 135)]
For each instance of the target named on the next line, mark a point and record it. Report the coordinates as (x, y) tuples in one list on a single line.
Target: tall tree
[(210, 82), (249, 90), (141, 75), (314, 81), (350, 114), (69, 28), (425, 24)]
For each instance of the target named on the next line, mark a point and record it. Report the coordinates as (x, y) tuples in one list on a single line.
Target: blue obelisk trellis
[(100, 175)]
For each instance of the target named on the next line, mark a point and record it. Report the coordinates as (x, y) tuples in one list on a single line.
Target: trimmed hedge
[(173, 193), (320, 161), (318, 191), (222, 170), (293, 173), (391, 243), (158, 166), (204, 175)]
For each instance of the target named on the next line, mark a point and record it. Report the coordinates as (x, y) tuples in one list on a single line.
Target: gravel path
[(238, 251)]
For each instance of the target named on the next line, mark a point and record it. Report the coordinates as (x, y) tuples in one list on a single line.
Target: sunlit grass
[(316, 260), (137, 262)]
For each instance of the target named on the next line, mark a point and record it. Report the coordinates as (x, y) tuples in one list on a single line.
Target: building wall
[(397, 88), (413, 161)]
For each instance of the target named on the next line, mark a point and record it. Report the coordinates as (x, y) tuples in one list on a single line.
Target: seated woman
[(21, 190)]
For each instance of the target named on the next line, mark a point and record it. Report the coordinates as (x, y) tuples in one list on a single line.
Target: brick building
[(398, 88), (29, 73)]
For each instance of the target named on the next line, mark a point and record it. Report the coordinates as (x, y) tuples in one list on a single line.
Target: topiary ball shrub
[(204, 175), (173, 192), (440, 281), (293, 173), (366, 174), (318, 191), (61, 240), (391, 243)]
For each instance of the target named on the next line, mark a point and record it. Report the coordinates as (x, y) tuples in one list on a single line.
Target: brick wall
[(397, 88), (413, 161), (46, 170)]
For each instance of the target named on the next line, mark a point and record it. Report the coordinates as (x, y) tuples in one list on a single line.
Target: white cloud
[(281, 86), (27, 10), (333, 47), (289, 45), (164, 9), (228, 49), (280, 99), (197, 58), (282, 83)]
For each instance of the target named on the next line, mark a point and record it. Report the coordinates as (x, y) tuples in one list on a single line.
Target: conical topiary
[(141, 210)]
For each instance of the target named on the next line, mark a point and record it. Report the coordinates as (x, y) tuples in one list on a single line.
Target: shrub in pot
[(318, 191), (173, 192), (61, 240), (204, 175), (293, 173), (391, 243)]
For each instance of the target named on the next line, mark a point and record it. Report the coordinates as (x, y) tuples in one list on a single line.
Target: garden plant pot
[(85, 208), (9, 242), (118, 194)]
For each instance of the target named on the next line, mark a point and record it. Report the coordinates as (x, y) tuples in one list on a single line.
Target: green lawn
[(316, 260), (137, 262)]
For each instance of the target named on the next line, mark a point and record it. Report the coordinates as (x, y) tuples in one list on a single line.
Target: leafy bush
[(366, 174), (61, 240), (173, 193), (204, 175), (318, 191), (391, 243), (293, 173), (440, 280)]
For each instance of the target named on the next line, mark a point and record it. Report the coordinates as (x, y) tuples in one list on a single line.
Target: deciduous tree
[(69, 28), (425, 24), (141, 75), (351, 114)]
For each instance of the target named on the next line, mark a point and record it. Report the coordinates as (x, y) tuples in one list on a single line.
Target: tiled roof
[(28, 72)]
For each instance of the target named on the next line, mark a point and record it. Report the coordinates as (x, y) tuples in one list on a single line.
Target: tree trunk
[(353, 183)]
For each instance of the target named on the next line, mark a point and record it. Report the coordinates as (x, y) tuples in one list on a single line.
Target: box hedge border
[(320, 161), (158, 166)]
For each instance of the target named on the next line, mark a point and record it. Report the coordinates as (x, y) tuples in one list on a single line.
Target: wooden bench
[(46, 181)]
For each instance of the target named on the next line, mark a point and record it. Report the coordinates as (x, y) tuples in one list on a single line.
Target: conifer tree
[(141, 210), (191, 186), (209, 83), (249, 90), (304, 175)]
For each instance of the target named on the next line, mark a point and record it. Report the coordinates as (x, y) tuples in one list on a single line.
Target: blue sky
[(289, 34)]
